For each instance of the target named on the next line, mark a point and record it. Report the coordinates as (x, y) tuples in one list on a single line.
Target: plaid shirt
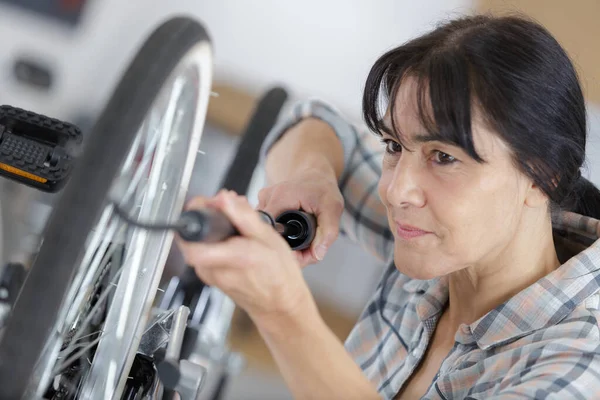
[(542, 343)]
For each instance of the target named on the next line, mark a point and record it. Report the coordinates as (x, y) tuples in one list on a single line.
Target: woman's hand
[(302, 170), (315, 191), (260, 273), (256, 269)]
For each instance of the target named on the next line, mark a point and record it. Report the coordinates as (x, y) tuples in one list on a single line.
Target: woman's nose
[(405, 186)]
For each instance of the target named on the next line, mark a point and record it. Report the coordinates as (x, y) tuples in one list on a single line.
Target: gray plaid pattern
[(544, 343)]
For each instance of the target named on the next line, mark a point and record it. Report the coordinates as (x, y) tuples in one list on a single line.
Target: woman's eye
[(442, 158), (392, 147)]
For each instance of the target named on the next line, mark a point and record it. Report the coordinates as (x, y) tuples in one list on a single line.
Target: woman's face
[(446, 210)]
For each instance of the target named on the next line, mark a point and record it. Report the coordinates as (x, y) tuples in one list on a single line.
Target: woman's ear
[(535, 196)]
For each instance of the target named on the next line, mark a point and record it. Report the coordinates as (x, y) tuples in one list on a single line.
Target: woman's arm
[(311, 359), (317, 140), (257, 270)]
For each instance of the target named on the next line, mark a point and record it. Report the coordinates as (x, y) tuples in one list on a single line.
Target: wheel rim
[(170, 150)]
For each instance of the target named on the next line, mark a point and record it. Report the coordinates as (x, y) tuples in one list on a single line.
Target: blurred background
[(63, 57)]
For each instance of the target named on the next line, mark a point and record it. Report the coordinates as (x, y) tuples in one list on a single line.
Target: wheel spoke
[(76, 356), (99, 302), (96, 257), (100, 263)]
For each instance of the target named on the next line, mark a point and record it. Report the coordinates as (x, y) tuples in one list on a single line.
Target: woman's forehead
[(407, 123), (406, 102), (410, 129)]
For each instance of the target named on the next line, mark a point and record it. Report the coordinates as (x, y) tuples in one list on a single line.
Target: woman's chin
[(419, 275), (416, 269)]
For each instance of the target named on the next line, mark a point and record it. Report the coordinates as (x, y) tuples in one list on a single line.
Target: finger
[(223, 278), (199, 202), (277, 199), (328, 222), (299, 257), (234, 252), (205, 274), (245, 218), (305, 258), (264, 195)]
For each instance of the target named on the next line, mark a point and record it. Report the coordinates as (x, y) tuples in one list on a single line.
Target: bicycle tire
[(43, 293), (241, 169)]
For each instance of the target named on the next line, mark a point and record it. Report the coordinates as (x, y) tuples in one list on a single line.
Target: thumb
[(263, 198), (327, 233)]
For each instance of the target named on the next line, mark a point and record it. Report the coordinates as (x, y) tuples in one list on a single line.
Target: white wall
[(316, 47), (322, 48)]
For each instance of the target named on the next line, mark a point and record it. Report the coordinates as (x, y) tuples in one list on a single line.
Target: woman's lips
[(409, 232)]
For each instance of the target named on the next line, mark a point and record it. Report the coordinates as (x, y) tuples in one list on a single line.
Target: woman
[(478, 203)]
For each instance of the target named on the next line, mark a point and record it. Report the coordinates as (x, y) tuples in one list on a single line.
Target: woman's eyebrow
[(431, 137), (419, 138)]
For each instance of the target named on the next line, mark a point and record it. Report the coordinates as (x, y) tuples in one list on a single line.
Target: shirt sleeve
[(364, 220)]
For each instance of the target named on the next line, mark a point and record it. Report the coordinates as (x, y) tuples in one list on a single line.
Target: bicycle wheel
[(211, 310), (78, 320)]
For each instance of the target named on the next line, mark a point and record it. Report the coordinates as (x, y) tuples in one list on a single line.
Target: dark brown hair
[(519, 77)]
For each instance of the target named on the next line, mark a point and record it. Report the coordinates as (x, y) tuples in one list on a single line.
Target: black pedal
[(36, 150)]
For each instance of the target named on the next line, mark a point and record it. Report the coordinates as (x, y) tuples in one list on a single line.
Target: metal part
[(293, 230), (177, 331), (157, 334), (189, 378), (218, 317), (204, 342), (215, 357), (157, 391), (182, 376), (142, 379), (201, 306)]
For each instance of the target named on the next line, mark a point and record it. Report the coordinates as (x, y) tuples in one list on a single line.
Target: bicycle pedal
[(36, 150)]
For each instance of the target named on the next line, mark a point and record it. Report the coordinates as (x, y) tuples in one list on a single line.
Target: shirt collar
[(416, 286), (432, 296)]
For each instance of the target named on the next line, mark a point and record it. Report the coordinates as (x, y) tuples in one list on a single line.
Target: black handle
[(209, 225), (301, 228)]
